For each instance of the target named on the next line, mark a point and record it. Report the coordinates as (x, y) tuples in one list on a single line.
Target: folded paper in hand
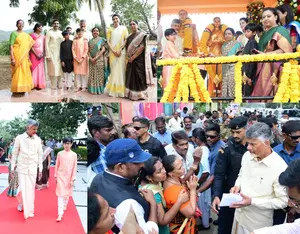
[(229, 198)]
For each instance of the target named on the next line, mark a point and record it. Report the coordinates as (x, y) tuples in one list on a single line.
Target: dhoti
[(238, 228), (27, 193)]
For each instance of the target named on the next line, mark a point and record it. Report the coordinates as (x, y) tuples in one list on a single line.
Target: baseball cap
[(125, 151)]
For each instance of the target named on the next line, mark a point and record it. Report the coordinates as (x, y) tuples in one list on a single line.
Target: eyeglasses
[(211, 137), (297, 206), (138, 128), (293, 137)]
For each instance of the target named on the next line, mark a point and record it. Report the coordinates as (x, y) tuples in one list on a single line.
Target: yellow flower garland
[(238, 82), (229, 59), (282, 92)]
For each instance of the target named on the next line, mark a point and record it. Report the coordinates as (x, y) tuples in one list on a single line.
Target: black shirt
[(228, 166), (154, 147)]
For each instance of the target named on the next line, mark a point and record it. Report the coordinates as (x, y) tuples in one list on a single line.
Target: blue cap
[(125, 151)]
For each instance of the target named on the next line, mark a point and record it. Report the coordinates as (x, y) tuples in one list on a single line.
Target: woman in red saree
[(37, 57), (173, 187), (20, 45)]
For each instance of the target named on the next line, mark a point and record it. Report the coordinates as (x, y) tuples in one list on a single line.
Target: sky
[(11, 15), (10, 110)]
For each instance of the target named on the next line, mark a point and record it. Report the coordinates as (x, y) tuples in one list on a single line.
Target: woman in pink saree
[(37, 57)]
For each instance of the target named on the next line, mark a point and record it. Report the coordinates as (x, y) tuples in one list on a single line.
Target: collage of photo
[(150, 117)]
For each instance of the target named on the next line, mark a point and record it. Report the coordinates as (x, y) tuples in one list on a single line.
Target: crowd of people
[(119, 65), (29, 169), (279, 33), (171, 179)]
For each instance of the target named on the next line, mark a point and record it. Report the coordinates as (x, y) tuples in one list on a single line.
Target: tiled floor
[(49, 95), (79, 192)]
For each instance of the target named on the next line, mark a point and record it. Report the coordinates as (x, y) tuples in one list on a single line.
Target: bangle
[(193, 167), (193, 194)]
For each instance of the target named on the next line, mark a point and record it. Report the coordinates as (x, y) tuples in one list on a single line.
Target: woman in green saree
[(275, 40), (97, 62)]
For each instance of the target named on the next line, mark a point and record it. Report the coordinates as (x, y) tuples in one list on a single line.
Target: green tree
[(10, 129), (4, 48), (139, 10), (45, 11), (58, 120)]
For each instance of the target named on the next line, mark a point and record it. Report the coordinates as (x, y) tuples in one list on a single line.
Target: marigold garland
[(229, 59), (238, 82)]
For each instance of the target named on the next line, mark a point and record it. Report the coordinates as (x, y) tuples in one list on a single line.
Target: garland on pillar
[(254, 11)]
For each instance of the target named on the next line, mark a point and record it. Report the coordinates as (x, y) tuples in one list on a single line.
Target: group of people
[(29, 169), (183, 169), (119, 66), (279, 33)]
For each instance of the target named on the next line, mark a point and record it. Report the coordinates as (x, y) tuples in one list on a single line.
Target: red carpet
[(3, 169), (44, 221)]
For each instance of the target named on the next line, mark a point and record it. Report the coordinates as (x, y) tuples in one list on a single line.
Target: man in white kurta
[(258, 183), (53, 40), (27, 157)]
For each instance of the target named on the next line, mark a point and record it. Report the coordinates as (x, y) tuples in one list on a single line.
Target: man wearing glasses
[(228, 165), (291, 179), (147, 142), (289, 150)]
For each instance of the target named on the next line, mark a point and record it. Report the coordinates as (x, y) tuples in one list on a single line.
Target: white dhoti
[(27, 193), (238, 228)]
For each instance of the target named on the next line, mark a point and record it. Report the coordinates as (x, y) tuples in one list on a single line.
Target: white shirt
[(27, 154), (204, 159), (259, 180), (287, 228), (199, 123), (122, 211), (174, 124), (188, 162)]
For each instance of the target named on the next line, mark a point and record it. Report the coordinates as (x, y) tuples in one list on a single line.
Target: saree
[(171, 194), (228, 82), (136, 81), (43, 182), (37, 65), (21, 74), (275, 38), (115, 86), (294, 30), (96, 80)]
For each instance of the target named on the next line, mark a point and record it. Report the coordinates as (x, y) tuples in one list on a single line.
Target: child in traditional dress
[(65, 175), (170, 51), (80, 51), (66, 57), (249, 69)]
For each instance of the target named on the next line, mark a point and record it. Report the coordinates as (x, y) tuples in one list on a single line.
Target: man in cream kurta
[(53, 40), (27, 157), (258, 183)]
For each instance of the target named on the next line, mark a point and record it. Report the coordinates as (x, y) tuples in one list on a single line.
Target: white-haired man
[(258, 183), (26, 159)]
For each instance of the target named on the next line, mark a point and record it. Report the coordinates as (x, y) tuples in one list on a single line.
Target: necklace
[(173, 182)]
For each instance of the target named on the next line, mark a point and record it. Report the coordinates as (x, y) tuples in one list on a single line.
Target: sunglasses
[(293, 137), (211, 137), (138, 128)]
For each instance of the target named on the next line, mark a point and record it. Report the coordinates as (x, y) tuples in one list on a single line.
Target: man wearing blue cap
[(124, 159), (227, 168)]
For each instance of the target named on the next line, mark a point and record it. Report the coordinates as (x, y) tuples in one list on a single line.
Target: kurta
[(53, 41), (80, 48), (27, 155), (65, 172), (66, 55), (170, 51)]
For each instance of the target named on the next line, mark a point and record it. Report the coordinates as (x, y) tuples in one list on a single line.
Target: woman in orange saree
[(20, 45), (172, 188)]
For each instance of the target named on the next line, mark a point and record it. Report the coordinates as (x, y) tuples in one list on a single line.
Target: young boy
[(170, 51), (65, 175), (249, 69), (66, 58), (80, 50)]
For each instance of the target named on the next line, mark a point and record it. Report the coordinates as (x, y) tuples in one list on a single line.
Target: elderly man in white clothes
[(27, 158), (258, 183), (174, 123)]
